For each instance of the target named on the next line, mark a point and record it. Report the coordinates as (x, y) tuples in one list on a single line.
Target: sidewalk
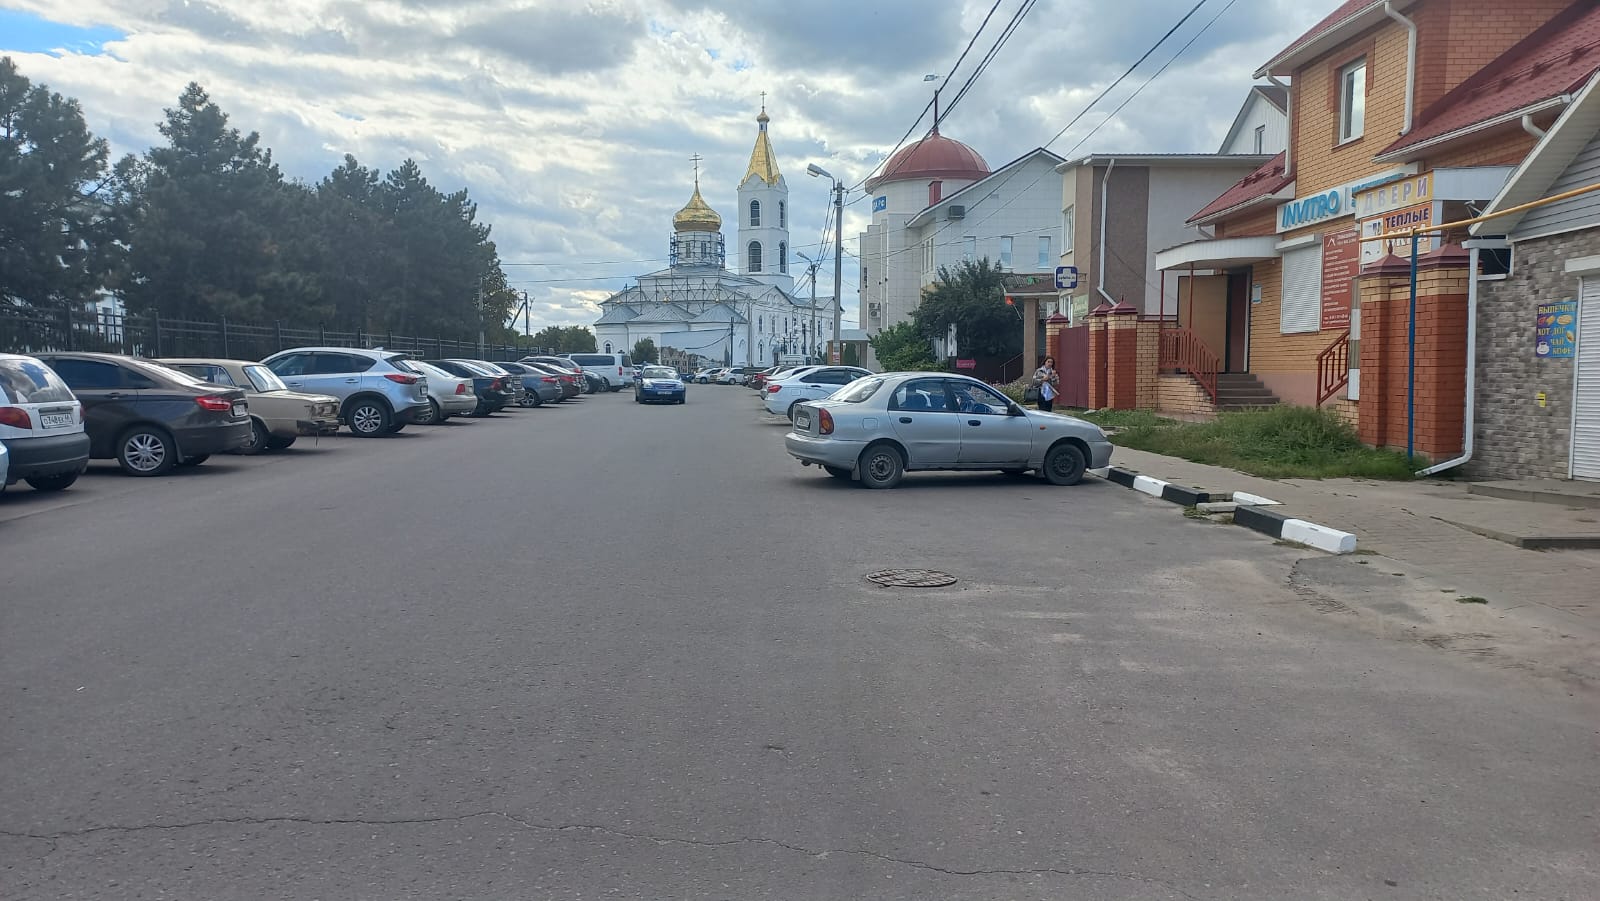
[(1436, 527)]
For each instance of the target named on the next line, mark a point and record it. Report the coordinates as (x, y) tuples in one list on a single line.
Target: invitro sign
[(1334, 203)]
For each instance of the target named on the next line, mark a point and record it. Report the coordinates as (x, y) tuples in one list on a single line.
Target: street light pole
[(838, 249)]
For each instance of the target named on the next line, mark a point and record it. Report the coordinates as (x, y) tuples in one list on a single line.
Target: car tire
[(369, 418), (58, 482), (434, 415), (258, 439), (277, 443), (397, 428), (146, 451), (881, 466), (1064, 464), (195, 460), (839, 472), (792, 407)]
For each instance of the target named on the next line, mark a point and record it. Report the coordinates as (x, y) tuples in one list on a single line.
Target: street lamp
[(838, 246), (812, 265)]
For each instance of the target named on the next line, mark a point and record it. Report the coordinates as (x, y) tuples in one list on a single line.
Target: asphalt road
[(601, 650)]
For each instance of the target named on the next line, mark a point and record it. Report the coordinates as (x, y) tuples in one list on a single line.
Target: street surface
[(603, 650)]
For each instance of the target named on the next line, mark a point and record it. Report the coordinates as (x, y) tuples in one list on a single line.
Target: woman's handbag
[(1030, 395)]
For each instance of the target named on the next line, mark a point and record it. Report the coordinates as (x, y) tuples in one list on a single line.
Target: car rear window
[(858, 390), (31, 382)]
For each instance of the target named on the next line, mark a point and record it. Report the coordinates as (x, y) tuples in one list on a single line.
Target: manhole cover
[(911, 578)]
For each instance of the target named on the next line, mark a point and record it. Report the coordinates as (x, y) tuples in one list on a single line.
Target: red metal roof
[(1557, 59), (1265, 181), (1331, 21), (935, 156)]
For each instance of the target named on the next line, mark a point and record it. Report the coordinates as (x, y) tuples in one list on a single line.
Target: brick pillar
[(1030, 335), (1149, 363), (1122, 359), (1052, 336), (1385, 286), (1099, 356)]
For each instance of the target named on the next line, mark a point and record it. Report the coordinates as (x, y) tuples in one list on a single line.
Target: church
[(697, 311)]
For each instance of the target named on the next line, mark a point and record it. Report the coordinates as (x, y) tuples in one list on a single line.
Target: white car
[(5, 466), (730, 377), (41, 425), (781, 397), (448, 394)]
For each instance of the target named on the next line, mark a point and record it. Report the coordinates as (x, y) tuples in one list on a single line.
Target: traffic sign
[(1066, 278)]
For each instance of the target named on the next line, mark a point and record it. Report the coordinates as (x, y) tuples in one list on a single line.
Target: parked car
[(377, 394), (702, 376), (493, 390), (730, 377), (448, 394), (277, 415), (782, 396), (658, 384), (585, 385), (5, 467), (536, 392), (615, 371), (880, 427), (567, 380), (148, 417), (513, 380), (41, 426)]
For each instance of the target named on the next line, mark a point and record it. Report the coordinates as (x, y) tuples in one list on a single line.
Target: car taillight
[(619, 370), (824, 422), (216, 403), (461, 387), (550, 380), (498, 384), (774, 389), (400, 377), (16, 417)]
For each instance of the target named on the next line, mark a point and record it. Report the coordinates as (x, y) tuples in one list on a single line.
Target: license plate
[(55, 420), (802, 419), (239, 411)]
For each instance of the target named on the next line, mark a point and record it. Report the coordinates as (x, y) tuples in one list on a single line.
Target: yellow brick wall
[(1320, 162), (1182, 394), (1287, 364)]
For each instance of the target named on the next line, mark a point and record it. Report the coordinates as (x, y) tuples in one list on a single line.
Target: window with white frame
[(783, 252), (783, 214), (1353, 100), (1300, 307), (755, 257), (969, 248), (927, 255), (1068, 222), (1044, 253), (1005, 252), (755, 212), (1261, 138)]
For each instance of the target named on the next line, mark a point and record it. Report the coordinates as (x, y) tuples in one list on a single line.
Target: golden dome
[(697, 215)]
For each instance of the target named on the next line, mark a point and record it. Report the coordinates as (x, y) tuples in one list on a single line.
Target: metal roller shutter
[(1301, 307), (1586, 390)]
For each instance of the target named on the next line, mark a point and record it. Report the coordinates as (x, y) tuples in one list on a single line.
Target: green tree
[(972, 298), (901, 348), (53, 222), (644, 351), (565, 339)]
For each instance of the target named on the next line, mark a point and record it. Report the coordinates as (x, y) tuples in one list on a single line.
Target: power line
[(1011, 28)]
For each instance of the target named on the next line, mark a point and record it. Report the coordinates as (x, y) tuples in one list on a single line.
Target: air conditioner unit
[(874, 311), (957, 211)]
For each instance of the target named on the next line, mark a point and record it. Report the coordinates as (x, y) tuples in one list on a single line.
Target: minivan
[(615, 371)]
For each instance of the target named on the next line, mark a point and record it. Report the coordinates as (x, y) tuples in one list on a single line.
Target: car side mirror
[(1016, 410)]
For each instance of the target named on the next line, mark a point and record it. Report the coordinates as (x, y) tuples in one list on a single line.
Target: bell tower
[(763, 251)]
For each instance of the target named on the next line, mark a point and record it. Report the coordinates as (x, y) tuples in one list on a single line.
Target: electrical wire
[(994, 51)]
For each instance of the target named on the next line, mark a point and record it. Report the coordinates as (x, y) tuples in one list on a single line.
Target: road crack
[(631, 835)]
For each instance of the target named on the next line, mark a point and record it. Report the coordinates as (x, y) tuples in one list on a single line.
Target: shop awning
[(1219, 253)]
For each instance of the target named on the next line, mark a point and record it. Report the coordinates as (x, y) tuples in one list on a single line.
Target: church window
[(608, 347), (755, 256), (783, 214), (783, 256), (755, 213)]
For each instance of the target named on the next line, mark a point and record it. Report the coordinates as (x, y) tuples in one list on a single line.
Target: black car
[(494, 391), (567, 379), (149, 417)]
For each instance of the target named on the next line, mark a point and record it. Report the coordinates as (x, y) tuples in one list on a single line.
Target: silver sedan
[(881, 427)]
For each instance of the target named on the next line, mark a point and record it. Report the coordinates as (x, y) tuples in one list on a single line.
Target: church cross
[(696, 160)]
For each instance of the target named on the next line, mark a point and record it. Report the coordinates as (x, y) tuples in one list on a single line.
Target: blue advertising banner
[(1556, 330)]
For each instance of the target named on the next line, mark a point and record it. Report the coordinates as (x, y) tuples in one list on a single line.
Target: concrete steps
[(1242, 391)]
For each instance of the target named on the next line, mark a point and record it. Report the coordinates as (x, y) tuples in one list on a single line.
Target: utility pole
[(812, 265), (480, 318), (527, 317), (838, 264)]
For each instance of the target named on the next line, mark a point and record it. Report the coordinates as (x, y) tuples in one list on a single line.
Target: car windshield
[(28, 381), (857, 391), (264, 379), (659, 372)]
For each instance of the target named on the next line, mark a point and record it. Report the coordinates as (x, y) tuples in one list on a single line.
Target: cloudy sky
[(572, 122)]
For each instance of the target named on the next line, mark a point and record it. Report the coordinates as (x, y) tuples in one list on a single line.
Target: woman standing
[(1048, 381)]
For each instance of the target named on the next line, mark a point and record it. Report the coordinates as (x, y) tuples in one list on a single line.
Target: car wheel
[(59, 482), (277, 443), (536, 401), (146, 451), (1064, 465), (432, 415), (257, 442), (369, 419), (195, 460), (839, 472), (882, 466), (792, 407)]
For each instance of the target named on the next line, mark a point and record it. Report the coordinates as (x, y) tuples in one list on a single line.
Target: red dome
[(935, 156)]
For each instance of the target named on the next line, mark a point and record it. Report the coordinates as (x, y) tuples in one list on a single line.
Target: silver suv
[(378, 393)]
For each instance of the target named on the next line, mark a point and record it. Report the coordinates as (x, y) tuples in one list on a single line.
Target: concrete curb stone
[(1249, 511)]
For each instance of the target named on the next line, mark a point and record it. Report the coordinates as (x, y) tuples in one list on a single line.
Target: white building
[(697, 310), (937, 204), (1262, 126)]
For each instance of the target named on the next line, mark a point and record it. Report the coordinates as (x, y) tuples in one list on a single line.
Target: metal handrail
[(1333, 367), (1183, 350)]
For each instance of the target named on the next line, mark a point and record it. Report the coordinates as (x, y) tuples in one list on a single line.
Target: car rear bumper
[(215, 439), (823, 451), (409, 414), (316, 426), (452, 404), (47, 455)]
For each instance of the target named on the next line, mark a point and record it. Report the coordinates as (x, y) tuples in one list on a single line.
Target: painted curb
[(1245, 499), (1249, 511)]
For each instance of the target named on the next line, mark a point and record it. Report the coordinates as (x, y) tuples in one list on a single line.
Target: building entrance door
[(1236, 358)]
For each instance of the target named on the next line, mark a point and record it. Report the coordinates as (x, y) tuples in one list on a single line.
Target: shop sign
[(1556, 330), (880, 203), (1341, 263), (1420, 216), (1334, 203), (1395, 195)]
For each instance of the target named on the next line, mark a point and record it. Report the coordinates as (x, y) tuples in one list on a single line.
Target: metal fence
[(37, 331)]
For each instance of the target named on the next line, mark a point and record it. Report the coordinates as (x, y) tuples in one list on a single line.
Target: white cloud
[(572, 123)]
